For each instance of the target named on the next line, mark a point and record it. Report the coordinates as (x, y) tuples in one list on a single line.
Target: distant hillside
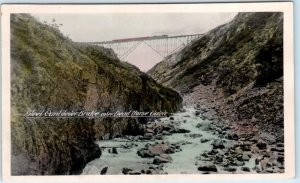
[(49, 71), (237, 68)]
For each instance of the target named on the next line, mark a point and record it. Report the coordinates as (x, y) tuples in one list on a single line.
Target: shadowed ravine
[(225, 91), (231, 81)]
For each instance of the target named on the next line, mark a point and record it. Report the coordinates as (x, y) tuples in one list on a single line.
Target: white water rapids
[(182, 162)]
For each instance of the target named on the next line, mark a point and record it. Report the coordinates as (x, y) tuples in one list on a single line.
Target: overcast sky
[(105, 27)]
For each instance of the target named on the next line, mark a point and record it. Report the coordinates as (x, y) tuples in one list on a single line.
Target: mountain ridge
[(236, 69), (50, 71)]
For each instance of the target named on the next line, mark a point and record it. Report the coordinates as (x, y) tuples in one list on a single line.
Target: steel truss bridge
[(163, 45)]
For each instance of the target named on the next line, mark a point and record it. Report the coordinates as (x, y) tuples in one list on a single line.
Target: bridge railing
[(163, 45)]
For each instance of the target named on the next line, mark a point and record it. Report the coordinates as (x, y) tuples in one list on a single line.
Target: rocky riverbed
[(190, 141)]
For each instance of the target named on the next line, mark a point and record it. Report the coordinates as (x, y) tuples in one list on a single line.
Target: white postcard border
[(289, 113)]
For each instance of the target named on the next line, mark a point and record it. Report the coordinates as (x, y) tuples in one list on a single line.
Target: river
[(185, 159)]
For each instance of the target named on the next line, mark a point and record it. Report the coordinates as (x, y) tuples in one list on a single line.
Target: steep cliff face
[(237, 68), (49, 71)]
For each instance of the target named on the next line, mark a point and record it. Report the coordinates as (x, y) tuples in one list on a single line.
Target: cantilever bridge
[(163, 45)]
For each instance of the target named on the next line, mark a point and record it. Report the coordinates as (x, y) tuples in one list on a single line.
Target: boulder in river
[(158, 137), (160, 149), (246, 146), (203, 140), (149, 130), (261, 144), (245, 169), (125, 171), (148, 135), (166, 156), (230, 169), (145, 153), (231, 136), (207, 115), (104, 171), (194, 135), (280, 159), (181, 130), (208, 168), (219, 158), (114, 150), (245, 157), (149, 172), (158, 160), (269, 170), (218, 144), (213, 152), (198, 125), (239, 163), (280, 144), (278, 149), (238, 151)]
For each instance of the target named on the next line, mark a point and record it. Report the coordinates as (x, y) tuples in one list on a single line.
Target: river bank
[(190, 141)]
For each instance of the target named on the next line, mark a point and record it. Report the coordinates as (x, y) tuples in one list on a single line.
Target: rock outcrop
[(235, 69), (50, 72)]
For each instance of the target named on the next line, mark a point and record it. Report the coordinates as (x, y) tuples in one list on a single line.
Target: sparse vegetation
[(239, 60), (50, 71)]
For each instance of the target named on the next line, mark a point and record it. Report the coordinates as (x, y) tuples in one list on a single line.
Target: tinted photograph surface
[(155, 93)]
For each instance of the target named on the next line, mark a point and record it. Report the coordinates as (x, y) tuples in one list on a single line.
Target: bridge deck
[(144, 38), (163, 45)]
